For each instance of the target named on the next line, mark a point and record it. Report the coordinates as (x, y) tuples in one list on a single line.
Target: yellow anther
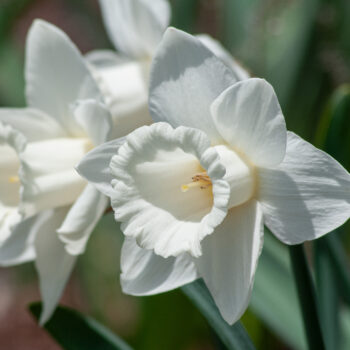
[(14, 179), (201, 180)]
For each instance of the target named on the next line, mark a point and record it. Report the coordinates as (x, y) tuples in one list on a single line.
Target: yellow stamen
[(201, 180), (14, 179)]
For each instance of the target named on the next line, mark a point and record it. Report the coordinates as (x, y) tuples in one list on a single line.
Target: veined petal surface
[(149, 172), (186, 77), (135, 26), (145, 273), (230, 257), (306, 196), (56, 75), (249, 118)]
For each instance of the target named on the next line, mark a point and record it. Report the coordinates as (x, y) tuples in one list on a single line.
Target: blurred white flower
[(193, 193), (135, 27), (41, 193)]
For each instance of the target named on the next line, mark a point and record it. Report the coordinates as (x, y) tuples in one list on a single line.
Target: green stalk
[(307, 298)]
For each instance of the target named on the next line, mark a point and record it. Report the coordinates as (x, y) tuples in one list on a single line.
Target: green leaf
[(233, 337), (74, 331), (327, 293), (274, 298), (307, 297)]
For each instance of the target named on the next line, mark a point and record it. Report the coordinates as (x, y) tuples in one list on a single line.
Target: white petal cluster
[(194, 190)]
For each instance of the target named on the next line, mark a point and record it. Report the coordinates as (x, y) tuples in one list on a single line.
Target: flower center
[(14, 179), (200, 180)]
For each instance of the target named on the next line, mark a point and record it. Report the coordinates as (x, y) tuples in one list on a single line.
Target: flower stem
[(307, 299)]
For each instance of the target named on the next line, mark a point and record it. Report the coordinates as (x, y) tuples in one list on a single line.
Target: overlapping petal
[(48, 177), (95, 165), (82, 219), (186, 77), (249, 118), (124, 85), (230, 257), (52, 262), (135, 26), (145, 273), (95, 119), (18, 247), (56, 74), (35, 125), (306, 196), (216, 47)]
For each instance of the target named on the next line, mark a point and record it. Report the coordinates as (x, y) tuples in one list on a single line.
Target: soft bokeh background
[(302, 47)]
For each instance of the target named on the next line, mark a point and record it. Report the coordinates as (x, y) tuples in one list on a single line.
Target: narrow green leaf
[(333, 133), (274, 298), (74, 331), (307, 297), (233, 337), (327, 293), (340, 262)]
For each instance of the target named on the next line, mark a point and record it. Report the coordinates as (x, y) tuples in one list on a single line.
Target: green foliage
[(234, 337), (73, 331)]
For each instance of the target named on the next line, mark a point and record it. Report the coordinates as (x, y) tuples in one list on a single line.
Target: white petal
[(95, 119), (48, 176), (306, 196), (95, 166), (35, 125), (125, 89), (186, 77), (135, 26), (18, 247), (145, 273), (56, 74), (53, 263), (230, 257), (82, 219), (216, 47), (104, 58), (249, 118), (149, 171)]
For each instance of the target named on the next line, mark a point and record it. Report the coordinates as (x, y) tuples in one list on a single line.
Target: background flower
[(42, 193)]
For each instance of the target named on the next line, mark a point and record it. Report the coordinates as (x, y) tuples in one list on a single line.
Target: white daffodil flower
[(193, 194), (41, 194), (135, 27)]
